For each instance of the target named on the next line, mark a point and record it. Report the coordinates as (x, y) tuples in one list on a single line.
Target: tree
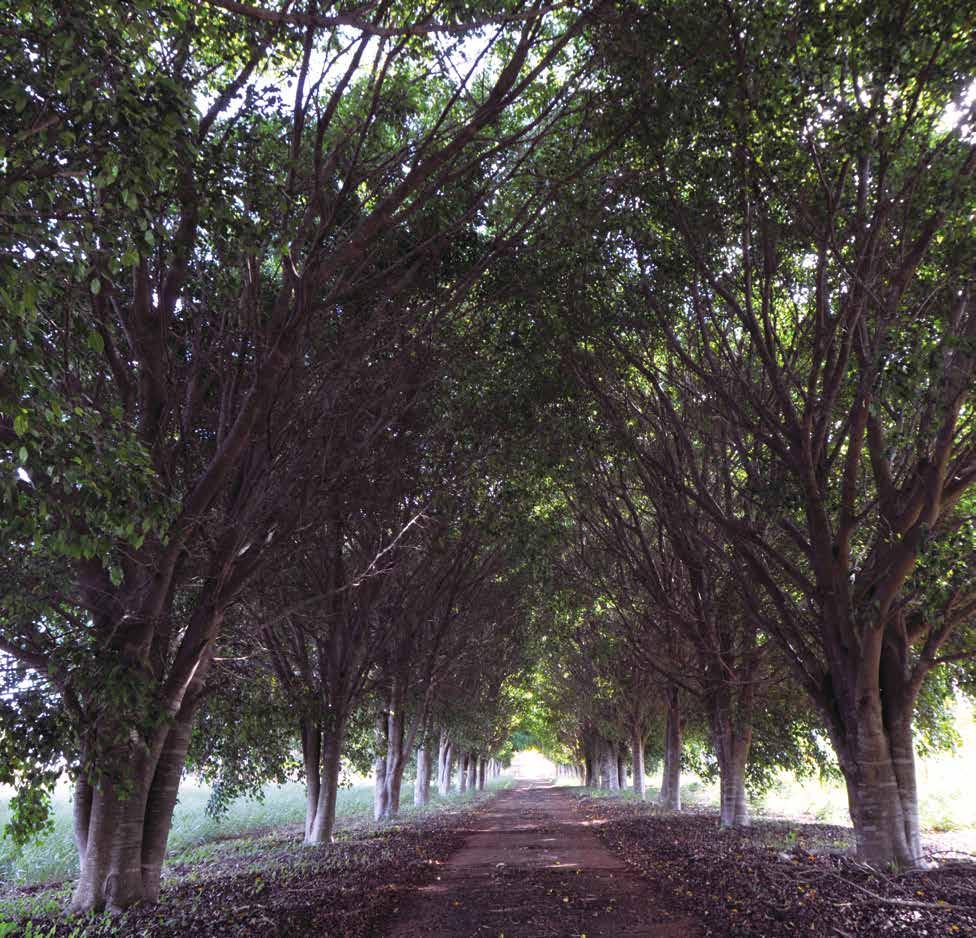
[(189, 287), (803, 267)]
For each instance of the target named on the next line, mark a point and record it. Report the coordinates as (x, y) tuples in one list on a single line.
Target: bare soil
[(533, 867)]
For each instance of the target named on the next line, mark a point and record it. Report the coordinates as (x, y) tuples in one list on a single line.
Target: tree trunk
[(482, 769), (670, 795), (463, 765), (111, 872), (589, 767), (637, 756), (381, 791), (421, 788), (444, 785), (882, 793), (611, 780), (323, 819), (621, 768), (121, 826), (161, 802), (81, 816), (311, 732), (732, 750), (472, 771)]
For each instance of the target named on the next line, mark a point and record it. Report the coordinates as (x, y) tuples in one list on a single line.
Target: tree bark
[(421, 789), (311, 733), (482, 769), (670, 795), (879, 769), (381, 791), (323, 821), (732, 751), (637, 756), (444, 784), (463, 765)]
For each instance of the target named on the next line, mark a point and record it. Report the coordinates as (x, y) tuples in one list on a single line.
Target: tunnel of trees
[(379, 379)]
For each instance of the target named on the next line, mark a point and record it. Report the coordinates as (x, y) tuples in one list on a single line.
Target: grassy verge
[(52, 858), (263, 882)]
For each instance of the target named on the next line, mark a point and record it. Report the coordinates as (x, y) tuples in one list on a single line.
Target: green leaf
[(20, 424), (22, 455), (96, 342), (96, 286)]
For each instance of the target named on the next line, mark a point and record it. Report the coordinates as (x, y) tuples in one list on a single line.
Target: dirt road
[(535, 869)]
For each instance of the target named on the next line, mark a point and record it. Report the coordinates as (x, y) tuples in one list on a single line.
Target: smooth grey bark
[(421, 789), (311, 734), (637, 757), (323, 820), (445, 781), (381, 791), (122, 847), (670, 794)]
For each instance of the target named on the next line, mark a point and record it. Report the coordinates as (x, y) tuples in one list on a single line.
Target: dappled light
[(484, 468)]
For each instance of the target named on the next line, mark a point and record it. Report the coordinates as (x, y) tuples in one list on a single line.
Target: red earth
[(533, 867)]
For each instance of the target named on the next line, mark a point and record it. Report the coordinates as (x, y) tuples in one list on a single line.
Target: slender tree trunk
[(463, 765), (611, 778), (621, 768), (637, 756), (670, 795), (81, 815), (421, 788), (482, 769), (381, 791), (311, 732)]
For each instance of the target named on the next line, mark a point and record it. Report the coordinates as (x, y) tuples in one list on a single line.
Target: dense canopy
[(388, 387)]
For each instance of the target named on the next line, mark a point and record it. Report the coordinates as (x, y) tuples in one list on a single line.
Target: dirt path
[(535, 869)]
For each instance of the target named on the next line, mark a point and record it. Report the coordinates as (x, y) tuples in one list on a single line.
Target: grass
[(944, 785), (52, 857)]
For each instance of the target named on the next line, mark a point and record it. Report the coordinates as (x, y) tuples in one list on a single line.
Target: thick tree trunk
[(482, 769), (883, 794), (611, 778), (472, 771), (161, 802), (589, 768), (323, 819), (421, 788), (444, 783), (463, 765), (621, 768), (670, 795), (732, 751), (637, 756)]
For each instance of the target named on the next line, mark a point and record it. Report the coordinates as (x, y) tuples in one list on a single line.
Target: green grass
[(52, 857)]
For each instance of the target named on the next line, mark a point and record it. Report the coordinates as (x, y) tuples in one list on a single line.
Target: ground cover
[(782, 877), (260, 884)]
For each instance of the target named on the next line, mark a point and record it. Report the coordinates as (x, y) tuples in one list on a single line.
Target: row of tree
[(360, 360)]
